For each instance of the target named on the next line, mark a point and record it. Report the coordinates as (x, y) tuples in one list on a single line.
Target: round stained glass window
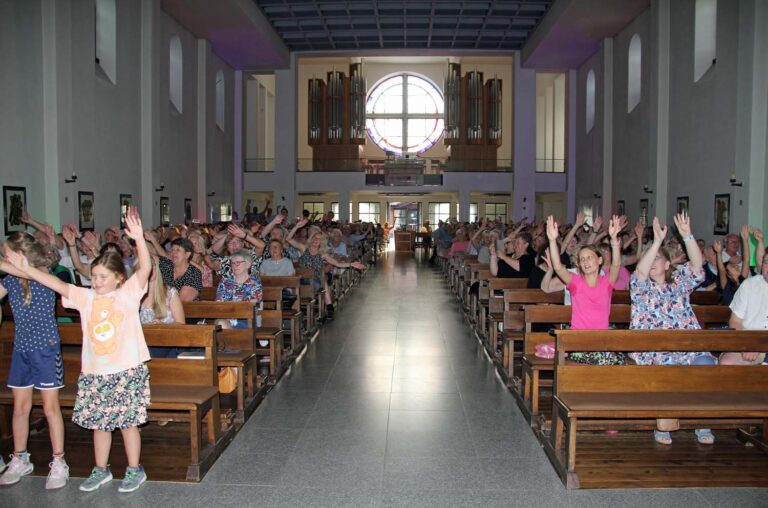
[(405, 114)]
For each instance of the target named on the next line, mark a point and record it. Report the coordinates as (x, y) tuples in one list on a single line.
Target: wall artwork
[(125, 202), (187, 210), (165, 212), (682, 204), (722, 213), (85, 211), (621, 207), (644, 212), (14, 204)]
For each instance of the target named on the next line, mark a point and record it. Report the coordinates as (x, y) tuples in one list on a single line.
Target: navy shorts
[(42, 369)]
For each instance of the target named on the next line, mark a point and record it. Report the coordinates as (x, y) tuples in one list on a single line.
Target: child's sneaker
[(18, 467), (58, 475), (134, 477), (99, 476)]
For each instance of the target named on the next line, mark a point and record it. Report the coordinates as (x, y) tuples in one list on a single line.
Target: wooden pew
[(293, 315), (494, 312), (182, 390), (312, 304), (555, 316), (241, 349), (588, 393)]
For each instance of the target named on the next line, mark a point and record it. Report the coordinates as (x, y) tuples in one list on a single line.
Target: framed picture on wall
[(644, 212), (187, 210), (14, 204), (85, 211), (722, 213), (682, 204), (125, 202), (165, 213), (621, 207)]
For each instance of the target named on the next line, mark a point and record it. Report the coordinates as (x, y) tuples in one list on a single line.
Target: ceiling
[(343, 25)]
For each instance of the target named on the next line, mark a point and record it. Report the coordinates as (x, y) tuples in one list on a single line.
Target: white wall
[(94, 125)]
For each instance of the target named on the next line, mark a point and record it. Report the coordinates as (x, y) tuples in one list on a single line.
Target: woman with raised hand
[(660, 296), (590, 290), (314, 254)]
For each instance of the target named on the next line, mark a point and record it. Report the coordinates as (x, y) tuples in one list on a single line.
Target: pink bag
[(546, 350)]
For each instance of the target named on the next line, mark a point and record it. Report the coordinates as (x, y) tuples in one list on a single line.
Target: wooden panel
[(219, 310), (662, 340)]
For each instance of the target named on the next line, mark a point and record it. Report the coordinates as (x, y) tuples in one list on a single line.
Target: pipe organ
[(336, 127), (473, 120)]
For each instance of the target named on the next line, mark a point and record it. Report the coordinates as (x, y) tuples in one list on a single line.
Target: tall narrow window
[(590, 100), (106, 39), (176, 67), (634, 72), (317, 207), (220, 100), (368, 212), (473, 212), (494, 211), (438, 212), (550, 122), (705, 37)]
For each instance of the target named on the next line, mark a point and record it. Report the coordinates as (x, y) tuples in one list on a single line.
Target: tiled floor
[(395, 404)]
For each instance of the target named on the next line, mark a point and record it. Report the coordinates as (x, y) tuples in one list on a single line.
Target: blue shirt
[(35, 323)]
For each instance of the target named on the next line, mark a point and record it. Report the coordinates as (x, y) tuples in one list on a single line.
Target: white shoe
[(58, 475), (17, 468)]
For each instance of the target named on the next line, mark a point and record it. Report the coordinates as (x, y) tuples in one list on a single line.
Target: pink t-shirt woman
[(590, 306)]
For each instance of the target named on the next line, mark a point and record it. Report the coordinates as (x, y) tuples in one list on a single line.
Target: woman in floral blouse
[(242, 286), (660, 297)]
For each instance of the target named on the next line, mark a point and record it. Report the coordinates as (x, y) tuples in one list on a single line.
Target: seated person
[(160, 305), (241, 286)]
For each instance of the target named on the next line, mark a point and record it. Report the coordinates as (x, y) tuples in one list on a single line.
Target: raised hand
[(547, 260), (552, 230), (683, 224), (758, 234), (236, 231), (48, 230), (623, 222), (133, 228), (745, 232), (614, 227), (68, 234), (639, 229), (301, 223), (580, 218), (597, 224), (659, 232), (717, 246), (358, 265), (25, 218)]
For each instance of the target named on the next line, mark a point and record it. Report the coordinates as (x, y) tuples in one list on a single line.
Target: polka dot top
[(35, 323)]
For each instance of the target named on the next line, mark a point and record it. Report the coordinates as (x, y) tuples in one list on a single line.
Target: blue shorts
[(42, 369)]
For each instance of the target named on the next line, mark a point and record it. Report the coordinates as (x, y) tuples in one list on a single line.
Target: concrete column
[(147, 125), (661, 131), (202, 119), (464, 205), (606, 204), (285, 144), (524, 191), (344, 206), (238, 142), (571, 169)]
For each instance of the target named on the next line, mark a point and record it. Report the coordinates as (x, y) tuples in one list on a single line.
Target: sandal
[(662, 437), (704, 436)]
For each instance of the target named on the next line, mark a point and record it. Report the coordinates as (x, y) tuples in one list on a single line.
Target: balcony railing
[(436, 166)]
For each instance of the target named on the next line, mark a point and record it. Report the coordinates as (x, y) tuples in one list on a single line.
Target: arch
[(220, 97), (176, 69), (590, 100), (105, 25), (634, 72), (705, 37)]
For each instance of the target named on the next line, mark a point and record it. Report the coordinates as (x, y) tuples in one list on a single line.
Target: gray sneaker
[(18, 467), (58, 475), (99, 476), (134, 477)]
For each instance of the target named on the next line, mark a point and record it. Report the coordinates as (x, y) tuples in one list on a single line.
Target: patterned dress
[(665, 307), (315, 262)]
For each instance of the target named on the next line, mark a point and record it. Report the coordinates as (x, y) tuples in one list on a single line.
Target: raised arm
[(135, 232), (722, 276), (683, 223), (549, 283), (552, 235), (297, 245), (644, 265), (493, 264), (69, 237), (745, 247), (342, 264), (760, 250), (20, 263), (614, 226), (568, 237), (279, 218)]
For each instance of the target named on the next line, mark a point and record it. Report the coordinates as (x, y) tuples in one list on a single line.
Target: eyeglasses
[(238, 263)]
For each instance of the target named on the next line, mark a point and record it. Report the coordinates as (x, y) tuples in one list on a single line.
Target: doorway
[(405, 215)]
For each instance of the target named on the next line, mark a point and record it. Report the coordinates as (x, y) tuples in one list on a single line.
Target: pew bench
[(584, 393), (183, 390)]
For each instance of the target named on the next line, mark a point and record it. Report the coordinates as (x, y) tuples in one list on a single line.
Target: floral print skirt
[(598, 357), (112, 401)]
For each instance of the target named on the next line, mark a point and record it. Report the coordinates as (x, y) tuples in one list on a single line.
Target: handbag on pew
[(227, 379)]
